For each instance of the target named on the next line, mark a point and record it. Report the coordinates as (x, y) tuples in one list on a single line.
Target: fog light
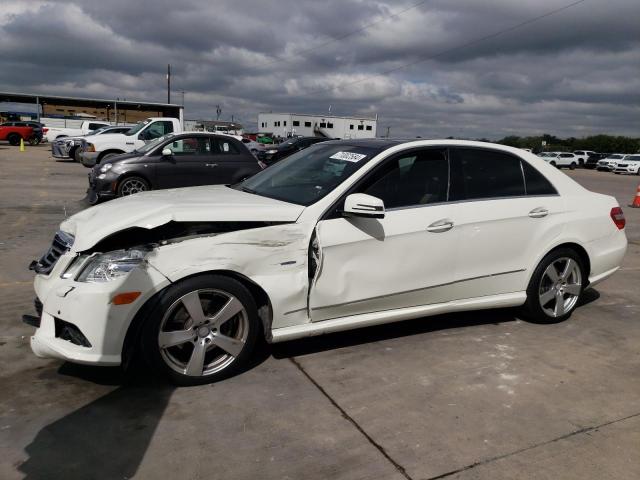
[(102, 176)]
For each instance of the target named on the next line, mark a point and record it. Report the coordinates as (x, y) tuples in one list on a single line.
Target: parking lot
[(476, 395)]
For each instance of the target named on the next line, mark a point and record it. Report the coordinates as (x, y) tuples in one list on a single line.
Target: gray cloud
[(574, 73)]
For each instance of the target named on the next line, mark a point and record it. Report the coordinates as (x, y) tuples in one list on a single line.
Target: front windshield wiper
[(248, 190)]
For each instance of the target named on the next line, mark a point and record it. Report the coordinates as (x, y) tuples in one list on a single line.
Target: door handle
[(539, 212), (211, 165), (443, 225)]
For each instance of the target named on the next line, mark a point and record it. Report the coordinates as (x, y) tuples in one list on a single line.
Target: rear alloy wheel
[(572, 166), (206, 330), (555, 287), (131, 185), (552, 163)]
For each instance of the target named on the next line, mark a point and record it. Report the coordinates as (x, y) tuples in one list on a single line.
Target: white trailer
[(330, 126)]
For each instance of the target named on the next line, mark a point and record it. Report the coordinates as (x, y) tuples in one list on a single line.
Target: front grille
[(622, 165), (62, 242)]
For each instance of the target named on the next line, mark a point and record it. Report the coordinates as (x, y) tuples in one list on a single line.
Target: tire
[(543, 295), (552, 163), (225, 346), (14, 139), (76, 155), (34, 140), (132, 185), (572, 166), (581, 162)]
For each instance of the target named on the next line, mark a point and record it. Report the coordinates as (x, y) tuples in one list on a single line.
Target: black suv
[(174, 160), (592, 159), (292, 145)]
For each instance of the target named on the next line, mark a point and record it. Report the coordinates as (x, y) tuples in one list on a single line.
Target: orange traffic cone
[(636, 199)]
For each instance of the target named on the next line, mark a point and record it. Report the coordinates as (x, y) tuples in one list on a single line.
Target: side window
[(307, 124), (95, 126), (478, 173), (535, 182), (418, 178), (296, 123), (190, 146), (224, 147), (155, 130)]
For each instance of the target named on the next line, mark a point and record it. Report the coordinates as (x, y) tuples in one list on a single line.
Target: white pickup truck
[(96, 148), (86, 128)]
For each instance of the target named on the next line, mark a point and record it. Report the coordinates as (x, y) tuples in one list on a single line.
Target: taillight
[(45, 130), (617, 215)]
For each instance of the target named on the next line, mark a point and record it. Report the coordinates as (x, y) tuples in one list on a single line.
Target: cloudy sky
[(419, 65)]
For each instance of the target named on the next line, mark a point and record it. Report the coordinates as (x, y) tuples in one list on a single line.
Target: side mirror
[(363, 205), (167, 152)]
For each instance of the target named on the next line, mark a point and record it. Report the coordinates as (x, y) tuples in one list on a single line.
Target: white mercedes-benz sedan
[(341, 235)]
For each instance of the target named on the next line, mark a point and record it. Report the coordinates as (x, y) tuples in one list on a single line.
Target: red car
[(13, 134)]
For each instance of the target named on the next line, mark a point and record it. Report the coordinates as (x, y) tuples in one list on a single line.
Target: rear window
[(477, 173), (535, 182)]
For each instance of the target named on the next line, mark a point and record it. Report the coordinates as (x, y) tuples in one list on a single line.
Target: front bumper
[(101, 188), (87, 307), (89, 159), (633, 169), (59, 150)]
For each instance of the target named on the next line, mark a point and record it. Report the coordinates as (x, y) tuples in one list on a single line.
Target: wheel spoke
[(177, 337), (568, 269), (546, 297), (230, 345), (192, 303), (572, 288), (552, 273), (227, 312), (196, 362), (559, 308)]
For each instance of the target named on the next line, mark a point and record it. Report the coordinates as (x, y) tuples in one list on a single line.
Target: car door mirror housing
[(363, 205), (167, 152)]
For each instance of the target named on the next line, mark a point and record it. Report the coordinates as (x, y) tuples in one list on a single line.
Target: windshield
[(633, 158), (147, 147), (307, 176), (136, 128)]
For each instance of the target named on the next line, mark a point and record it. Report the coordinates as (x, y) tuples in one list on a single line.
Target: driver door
[(405, 259), (187, 165)]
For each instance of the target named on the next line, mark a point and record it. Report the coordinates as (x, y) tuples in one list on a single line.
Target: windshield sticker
[(348, 156)]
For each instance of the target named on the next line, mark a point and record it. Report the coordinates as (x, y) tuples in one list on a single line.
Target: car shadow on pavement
[(105, 439)]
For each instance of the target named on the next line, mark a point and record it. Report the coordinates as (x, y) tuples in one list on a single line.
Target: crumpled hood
[(215, 203)]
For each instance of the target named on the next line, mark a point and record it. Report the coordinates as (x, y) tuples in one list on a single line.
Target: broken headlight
[(108, 266)]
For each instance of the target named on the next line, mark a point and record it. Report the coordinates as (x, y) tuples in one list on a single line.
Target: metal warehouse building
[(74, 108), (331, 126)]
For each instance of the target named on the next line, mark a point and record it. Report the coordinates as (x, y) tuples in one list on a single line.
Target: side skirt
[(284, 334)]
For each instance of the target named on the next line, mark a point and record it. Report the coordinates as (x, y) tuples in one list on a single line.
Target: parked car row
[(609, 162)]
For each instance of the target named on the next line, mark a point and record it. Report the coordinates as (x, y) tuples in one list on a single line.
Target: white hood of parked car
[(215, 203)]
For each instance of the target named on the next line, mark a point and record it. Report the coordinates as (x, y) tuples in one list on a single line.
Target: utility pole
[(168, 83), (388, 130)]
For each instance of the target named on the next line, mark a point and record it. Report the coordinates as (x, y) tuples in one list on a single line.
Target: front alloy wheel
[(203, 332), (203, 329), (132, 185)]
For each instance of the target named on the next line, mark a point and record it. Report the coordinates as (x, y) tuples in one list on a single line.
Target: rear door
[(187, 165), (230, 162), (504, 210)]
